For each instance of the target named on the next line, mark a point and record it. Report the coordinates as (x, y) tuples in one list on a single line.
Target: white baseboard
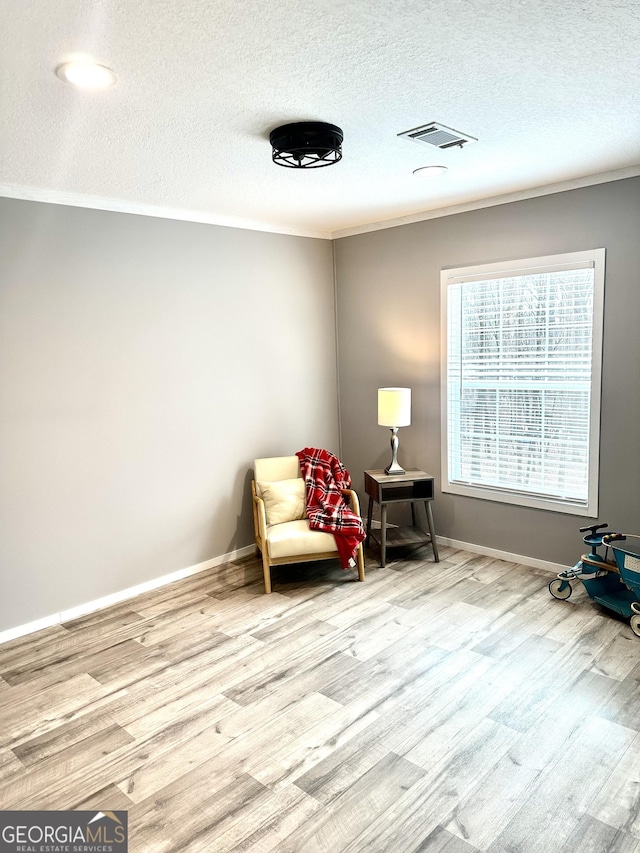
[(122, 595), (29, 628), (147, 586), (546, 565)]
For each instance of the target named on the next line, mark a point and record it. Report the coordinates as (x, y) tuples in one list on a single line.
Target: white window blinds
[(520, 382)]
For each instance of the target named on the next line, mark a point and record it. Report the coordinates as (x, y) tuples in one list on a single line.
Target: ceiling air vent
[(438, 135)]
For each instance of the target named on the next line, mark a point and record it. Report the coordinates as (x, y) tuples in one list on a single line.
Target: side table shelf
[(412, 487)]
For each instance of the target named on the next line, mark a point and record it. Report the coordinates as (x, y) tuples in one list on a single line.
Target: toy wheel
[(635, 606), (635, 624), (560, 589)]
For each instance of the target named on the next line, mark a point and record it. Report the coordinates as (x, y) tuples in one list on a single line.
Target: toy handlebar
[(594, 528)]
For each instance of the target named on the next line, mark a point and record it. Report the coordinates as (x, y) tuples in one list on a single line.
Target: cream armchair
[(291, 541)]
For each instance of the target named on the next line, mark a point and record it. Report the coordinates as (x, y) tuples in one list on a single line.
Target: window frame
[(514, 268)]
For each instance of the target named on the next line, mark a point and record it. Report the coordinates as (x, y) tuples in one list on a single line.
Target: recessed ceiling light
[(86, 75), (429, 171)]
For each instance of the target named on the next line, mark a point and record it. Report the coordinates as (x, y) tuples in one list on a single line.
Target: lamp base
[(394, 467)]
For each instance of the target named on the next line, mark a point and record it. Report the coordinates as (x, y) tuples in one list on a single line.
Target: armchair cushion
[(296, 537), (276, 468), (284, 500)]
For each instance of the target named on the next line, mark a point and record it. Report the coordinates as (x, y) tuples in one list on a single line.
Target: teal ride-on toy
[(614, 582)]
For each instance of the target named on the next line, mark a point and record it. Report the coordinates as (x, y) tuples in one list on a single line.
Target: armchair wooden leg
[(360, 562), (266, 569)]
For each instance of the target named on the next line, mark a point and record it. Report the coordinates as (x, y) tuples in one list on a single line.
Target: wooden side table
[(411, 487)]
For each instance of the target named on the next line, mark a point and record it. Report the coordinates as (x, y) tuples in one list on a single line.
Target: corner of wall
[(337, 344)]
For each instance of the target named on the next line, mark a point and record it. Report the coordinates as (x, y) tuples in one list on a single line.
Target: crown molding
[(48, 196), (478, 204), (117, 206)]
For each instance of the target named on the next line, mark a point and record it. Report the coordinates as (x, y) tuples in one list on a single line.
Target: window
[(522, 348)]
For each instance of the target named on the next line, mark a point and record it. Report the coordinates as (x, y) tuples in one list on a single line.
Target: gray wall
[(144, 363), (388, 286)]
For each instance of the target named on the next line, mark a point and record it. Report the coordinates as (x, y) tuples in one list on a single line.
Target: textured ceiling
[(550, 89)]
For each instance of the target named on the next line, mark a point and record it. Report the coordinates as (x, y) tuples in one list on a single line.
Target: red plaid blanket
[(325, 476)]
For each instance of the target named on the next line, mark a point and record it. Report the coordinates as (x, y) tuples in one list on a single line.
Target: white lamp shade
[(394, 407)]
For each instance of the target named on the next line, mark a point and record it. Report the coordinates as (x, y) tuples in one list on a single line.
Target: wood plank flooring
[(441, 708)]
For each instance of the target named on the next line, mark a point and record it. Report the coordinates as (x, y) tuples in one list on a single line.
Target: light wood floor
[(453, 707)]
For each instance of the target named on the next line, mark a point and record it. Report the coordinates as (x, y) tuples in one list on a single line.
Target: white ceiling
[(551, 90)]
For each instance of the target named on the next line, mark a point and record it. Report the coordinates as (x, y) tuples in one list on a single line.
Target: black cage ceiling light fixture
[(306, 145)]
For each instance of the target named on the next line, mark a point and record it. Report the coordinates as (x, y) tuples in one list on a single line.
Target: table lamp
[(394, 410)]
